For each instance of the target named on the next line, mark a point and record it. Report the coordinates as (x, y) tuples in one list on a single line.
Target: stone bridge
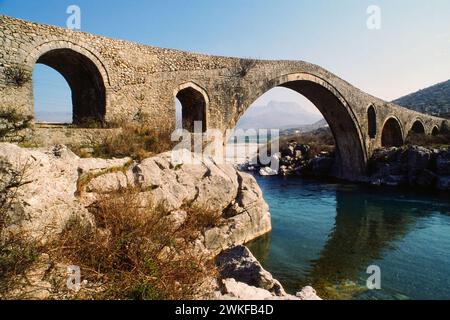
[(113, 80)]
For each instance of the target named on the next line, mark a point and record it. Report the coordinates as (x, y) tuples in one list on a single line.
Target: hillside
[(434, 100)]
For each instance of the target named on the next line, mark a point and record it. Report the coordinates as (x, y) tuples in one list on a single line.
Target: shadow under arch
[(351, 151), (194, 102), (392, 133), (85, 74), (435, 131), (418, 127)]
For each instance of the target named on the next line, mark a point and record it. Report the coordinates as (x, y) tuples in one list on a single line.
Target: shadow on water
[(326, 235)]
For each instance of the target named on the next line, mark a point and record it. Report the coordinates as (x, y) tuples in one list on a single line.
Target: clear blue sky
[(411, 51)]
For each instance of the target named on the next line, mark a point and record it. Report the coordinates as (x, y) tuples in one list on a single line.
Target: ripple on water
[(327, 234)]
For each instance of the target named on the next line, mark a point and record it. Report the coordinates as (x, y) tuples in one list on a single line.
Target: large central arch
[(351, 151)]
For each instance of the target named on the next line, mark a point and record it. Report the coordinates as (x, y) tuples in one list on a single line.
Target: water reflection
[(368, 227)]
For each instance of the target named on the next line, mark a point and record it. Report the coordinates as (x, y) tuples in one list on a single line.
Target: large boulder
[(443, 163), (268, 171), (418, 159), (240, 264), (60, 185), (241, 276)]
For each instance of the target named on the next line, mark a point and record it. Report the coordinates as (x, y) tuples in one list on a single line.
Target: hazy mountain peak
[(276, 115)]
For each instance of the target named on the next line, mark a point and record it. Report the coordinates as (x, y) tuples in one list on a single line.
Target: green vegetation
[(434, 100)]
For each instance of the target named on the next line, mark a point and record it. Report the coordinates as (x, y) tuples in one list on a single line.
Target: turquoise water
[(326, 235)]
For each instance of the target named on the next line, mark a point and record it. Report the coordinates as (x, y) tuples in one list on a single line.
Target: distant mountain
[(305, 128), (53, 117), (434, 100), (277, 115)]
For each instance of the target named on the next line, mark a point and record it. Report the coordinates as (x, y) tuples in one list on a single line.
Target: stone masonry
[(115, 80)]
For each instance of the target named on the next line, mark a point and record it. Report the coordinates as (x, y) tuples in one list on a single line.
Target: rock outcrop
[(60, 185), (411, 166), (241, 276), (297, 160)]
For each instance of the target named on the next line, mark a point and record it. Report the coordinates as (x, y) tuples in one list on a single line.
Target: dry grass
[(135, 140), (132, 250), (17, 255), (438, 141), (136, 251)]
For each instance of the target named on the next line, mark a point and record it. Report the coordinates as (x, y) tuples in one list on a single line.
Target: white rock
[(267, 171), (308, 293)]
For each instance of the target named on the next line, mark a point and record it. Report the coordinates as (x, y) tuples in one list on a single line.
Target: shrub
[(445, 127), (16, 76), (440, 140), (16, 253), (135, 251), (243, 67), (12, 124), (11, 180)]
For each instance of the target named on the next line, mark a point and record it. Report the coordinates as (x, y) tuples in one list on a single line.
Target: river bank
[(408, 166), (181, 217)]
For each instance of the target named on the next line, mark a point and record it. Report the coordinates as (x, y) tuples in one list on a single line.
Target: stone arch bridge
[(114, 80)]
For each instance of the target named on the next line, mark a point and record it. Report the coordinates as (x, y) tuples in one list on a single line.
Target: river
[(328, 234)]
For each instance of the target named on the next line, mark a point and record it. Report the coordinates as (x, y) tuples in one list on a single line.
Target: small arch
[(435, 131), (417, 127), (85, 82), (372, 122), (85, 73), (392, 134), (194, 103)]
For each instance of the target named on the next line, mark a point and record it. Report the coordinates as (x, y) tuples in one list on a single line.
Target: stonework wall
[(142, 79)]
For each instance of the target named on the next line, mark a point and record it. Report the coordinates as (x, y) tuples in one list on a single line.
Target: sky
[(410, 51)]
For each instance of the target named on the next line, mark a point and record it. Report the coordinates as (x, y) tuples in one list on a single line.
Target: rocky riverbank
[(297, 159), (407, 166), (58, 186), (411, 166)]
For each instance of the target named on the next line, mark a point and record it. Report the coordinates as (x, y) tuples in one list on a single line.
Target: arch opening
[(372, 122), (52, 96), (191, 107), (435, 131), (88, 93), (350, 159), (392, 134), (417, 128)]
